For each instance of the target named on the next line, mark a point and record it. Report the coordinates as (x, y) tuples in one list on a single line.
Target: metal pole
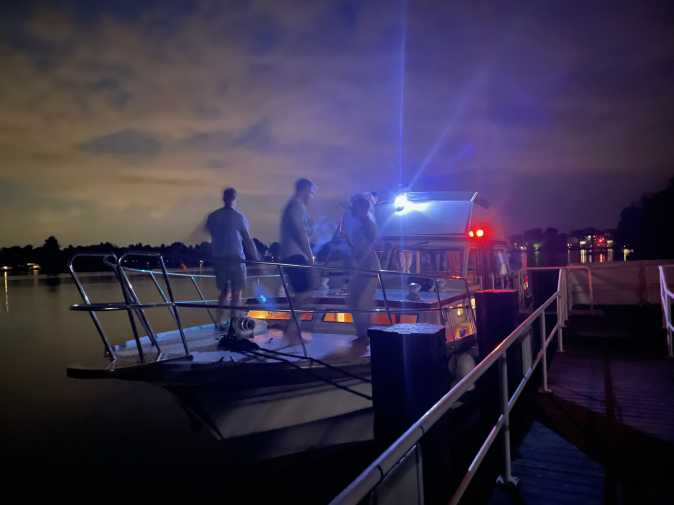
[(140, 312), (442, 313), (161, 292), (176, 314), (132, 322), (544, 350), (292, 309), (669, 326), (383, 292), (201, 295), (109, 350), (507, 477)]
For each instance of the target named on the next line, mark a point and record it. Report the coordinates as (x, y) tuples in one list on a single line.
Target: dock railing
[(385, 468), (666, 298), (568, 292), (135, 307)]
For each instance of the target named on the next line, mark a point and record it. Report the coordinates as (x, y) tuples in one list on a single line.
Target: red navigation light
[(477, 233)]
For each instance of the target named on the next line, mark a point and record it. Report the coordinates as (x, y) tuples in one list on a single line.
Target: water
[(50, 418), (570, 257)]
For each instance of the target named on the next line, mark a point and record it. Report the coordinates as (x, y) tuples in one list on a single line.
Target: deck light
[(400, 202)]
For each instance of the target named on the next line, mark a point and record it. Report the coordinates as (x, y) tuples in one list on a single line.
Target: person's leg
[(299, 281), (222, 284), (236, 302), (361, 298), (222, 300), (238, 281)]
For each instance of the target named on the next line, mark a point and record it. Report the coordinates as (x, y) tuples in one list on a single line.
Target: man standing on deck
[(296, 247), (229, 238), (361, 234)]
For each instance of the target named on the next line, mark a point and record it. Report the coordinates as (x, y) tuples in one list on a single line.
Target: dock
[(605, 432)]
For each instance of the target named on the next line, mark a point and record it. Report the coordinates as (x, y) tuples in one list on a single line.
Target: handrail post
[(443, 320), (544, 351), (507, 477), (292, 309), (561, 309), (140, 312), (109, 350), (668, 306), (201, 295), (383, 292), (176, 314), (129, 311)]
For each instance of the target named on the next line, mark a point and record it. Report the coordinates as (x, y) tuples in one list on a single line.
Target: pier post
[(410, 374), (497, 315)]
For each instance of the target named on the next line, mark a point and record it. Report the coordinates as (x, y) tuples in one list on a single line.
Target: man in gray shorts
[(296, 246), (229, 238)]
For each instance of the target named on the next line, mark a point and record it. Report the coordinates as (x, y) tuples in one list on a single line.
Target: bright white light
[(400, 202), (402, 205)]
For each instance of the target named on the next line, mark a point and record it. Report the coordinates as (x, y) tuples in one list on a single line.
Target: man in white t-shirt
[(231, 243)]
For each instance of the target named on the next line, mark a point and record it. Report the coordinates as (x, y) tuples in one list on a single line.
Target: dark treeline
[(646, 226), (53, 259)]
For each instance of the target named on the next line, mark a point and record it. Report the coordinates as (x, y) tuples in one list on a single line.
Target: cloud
[(132, 143), (256, 93)]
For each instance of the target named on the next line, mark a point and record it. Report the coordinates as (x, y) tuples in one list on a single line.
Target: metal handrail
[(132, 303), (109, 350), (375, 474), (666, 297), (587, 269)]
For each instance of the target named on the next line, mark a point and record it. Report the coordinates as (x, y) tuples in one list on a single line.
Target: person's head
[(229, 197), (360, 205), (304, 190)]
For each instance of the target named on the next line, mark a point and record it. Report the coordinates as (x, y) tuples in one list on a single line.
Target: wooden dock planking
[(552, 471)]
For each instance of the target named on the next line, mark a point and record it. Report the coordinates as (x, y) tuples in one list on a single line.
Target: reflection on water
[(5, 282), (582, 256)]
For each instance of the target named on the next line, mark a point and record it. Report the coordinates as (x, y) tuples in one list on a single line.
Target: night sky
[(123, 121)]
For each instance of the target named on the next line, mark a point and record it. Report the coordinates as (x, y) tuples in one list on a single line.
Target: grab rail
[(587, 270), (666, 297), (133, 305), (388, 462)]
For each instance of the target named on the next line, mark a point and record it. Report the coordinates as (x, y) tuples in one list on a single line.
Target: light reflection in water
[(5, 283)]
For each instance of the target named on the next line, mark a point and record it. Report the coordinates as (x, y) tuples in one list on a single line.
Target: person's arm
[(248, 245)]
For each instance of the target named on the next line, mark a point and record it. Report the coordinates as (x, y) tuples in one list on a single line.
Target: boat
[(319, 384)]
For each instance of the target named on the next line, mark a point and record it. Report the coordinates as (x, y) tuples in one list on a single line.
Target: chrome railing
[(569, 296), (389, 462), (666, 297), (135, 307)]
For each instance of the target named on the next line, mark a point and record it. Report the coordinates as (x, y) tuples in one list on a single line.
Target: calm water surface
[(50, 418)]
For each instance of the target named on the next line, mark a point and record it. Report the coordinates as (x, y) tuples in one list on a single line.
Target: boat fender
[(460, 365)]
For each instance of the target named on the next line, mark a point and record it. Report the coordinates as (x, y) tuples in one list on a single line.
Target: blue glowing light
[(400, 202), (402, 205)]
